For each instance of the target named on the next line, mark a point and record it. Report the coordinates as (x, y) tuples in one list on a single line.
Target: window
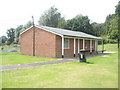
[(66, 43)]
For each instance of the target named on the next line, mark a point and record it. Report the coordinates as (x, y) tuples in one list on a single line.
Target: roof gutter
[(82, 37)]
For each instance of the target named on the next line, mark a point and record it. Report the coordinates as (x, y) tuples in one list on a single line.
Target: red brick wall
[(44, 43), (67, 52), (87, 45), (70, 51), (81, 43), (58, 46), (26, 44), (93, 42), (47, 44)]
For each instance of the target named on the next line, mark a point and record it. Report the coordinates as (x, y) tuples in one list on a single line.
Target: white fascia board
[(49, 31), (81, 38), (26, 30), (40, 28)]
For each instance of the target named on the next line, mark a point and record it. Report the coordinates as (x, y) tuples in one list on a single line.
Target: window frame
[(67, 43)]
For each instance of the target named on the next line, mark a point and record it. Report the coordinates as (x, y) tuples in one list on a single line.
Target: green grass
[(103, 73), (108, 47), (10, 47), (15, 58)]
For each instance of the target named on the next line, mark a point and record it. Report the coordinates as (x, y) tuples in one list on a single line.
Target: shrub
[(111, 41)]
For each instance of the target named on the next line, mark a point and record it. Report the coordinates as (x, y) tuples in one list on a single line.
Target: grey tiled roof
[(69, 33)]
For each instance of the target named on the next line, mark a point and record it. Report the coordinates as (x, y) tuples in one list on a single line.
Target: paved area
[(64, 60)]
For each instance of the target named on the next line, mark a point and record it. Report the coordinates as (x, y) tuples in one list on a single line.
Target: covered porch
[(73, 45)]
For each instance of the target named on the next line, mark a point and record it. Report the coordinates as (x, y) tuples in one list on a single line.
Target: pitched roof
[(68, 33)]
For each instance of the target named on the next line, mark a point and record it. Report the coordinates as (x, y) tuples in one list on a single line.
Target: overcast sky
[(19, 12)]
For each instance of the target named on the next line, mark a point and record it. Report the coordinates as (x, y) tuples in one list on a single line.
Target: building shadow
[(89, 63)]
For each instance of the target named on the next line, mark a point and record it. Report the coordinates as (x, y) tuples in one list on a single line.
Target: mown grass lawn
[(102, 73), (108, 47), (12, 58)]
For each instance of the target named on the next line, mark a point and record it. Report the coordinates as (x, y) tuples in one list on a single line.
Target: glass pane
[(66, 43)]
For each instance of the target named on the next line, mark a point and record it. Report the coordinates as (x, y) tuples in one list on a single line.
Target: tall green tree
[(62, 24), (80, 23), (111, 27), (14, 33), (17, 32), (20, 29), (27, 25), (52, 17), (117, 10), (98, 29), (11, 35)]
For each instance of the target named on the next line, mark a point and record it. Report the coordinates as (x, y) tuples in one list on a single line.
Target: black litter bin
[(82, 56)]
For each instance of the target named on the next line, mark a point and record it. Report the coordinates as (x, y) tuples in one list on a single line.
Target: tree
[(3, 40), (20, 29), (117, 10), (112, 25), (51, 17), (17, 33), (98, 28), (11, 35), (80, 23), (62, 24), (29, 23)]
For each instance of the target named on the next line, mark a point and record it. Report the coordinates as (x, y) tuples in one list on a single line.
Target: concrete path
[(64, 60)]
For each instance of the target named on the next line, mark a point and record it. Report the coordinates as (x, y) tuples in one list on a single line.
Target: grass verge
[(103, 73), (12, 58), (108, 47)]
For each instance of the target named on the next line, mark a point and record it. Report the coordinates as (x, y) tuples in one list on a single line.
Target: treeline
[(53, 18), (13, 34)]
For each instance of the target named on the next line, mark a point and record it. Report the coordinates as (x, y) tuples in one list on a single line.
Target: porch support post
[(90, 46), (62, 47), (78, 46), (74, 46), (83, 44), (102, 46), (96, 45)]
